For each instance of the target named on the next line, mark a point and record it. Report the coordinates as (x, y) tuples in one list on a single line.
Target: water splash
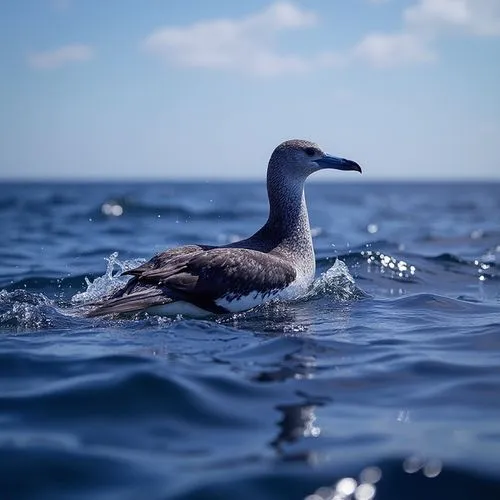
[(492, 256), (337, 282), (22, 310), (109, 282)]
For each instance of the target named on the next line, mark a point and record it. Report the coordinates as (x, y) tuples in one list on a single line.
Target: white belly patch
[(232, 304), (253, 299)]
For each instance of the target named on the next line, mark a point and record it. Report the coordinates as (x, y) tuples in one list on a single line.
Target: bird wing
[(222, 272), (163, 258), (201, 275)]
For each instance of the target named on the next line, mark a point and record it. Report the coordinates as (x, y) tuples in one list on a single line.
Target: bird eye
[(310, 151)]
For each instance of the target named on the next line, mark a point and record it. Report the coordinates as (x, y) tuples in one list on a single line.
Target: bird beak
[(328, 161)]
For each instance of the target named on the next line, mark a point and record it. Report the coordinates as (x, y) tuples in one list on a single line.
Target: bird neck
[(288, 221), (286, 232)]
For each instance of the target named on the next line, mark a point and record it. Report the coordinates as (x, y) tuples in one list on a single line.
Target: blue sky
[(128, 89)]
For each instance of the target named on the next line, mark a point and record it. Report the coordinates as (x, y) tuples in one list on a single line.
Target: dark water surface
[(388, 372)]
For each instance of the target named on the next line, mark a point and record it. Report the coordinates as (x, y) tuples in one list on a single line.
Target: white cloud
[(423, 24), (392, 49), (476, 17), (59, 57), (246, 44)]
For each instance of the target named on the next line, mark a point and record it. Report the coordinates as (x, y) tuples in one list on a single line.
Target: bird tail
[(131, 303)]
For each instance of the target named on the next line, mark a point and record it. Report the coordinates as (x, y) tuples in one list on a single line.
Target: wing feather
[(133, 302)]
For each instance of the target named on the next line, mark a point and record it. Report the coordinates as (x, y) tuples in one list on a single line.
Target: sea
[(382, 382)]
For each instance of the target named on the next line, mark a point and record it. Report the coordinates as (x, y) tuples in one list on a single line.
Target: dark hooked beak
[(328, 161)]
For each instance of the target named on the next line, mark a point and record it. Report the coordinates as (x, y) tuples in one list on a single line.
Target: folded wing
[(199, 275)]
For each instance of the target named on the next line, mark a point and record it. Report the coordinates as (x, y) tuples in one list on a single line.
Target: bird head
[(298, 159)]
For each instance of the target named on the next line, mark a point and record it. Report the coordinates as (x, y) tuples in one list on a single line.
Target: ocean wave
[(415, 268), (443, 304), (118, 207), (449, 258), (65, 469), (45, 282)]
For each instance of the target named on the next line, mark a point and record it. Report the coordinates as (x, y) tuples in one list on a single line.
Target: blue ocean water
[(384, 382)]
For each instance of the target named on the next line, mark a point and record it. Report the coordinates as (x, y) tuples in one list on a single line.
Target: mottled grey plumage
[(278, 258)]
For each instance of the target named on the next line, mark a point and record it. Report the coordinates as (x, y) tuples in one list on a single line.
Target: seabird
[(277, 262)]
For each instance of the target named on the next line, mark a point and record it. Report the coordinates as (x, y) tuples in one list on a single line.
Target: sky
[(184, 89)]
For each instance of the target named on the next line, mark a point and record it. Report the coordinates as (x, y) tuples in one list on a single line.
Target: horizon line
[(145, 180)]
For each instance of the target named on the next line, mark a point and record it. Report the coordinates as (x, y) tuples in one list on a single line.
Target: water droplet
[(346, 486), (412, 464), (112, 209), (433, 468), (365, 492), (370, 475)]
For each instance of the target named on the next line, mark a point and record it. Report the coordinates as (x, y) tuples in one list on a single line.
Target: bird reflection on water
[(298, 420)]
